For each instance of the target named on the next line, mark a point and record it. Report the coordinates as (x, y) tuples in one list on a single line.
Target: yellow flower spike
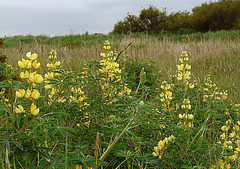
[(33, 56), (34, 109), (19, 109), (28, 94), (38, 78), (35, 94), (36, 65), (20, 93)]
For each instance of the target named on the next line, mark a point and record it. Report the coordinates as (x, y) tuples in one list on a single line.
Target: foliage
[(100, 117), (221, 15), (212, 16)]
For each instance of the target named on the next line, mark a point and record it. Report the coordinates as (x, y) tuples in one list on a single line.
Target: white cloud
[(61, 16)]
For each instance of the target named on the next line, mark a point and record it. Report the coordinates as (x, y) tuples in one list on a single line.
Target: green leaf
[(17, 144)]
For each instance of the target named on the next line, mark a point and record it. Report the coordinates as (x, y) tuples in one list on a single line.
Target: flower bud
[(143, 76)]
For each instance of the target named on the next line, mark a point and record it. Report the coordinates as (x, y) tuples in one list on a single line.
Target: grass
[(217, 49)]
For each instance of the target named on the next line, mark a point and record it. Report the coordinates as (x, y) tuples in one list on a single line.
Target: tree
[(222, 15)]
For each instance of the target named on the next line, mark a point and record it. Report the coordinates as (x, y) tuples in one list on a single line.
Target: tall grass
[(220, 50)]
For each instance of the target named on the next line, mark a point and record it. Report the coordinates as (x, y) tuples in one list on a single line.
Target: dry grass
[(222, 55)]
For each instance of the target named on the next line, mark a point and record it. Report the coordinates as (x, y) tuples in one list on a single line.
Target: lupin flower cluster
[(186, 118), (163, 145), (230, 143), (166, 94), (52, 66), (112, 74), (80, 97), (211, 91), (183, 70), (28, 73)]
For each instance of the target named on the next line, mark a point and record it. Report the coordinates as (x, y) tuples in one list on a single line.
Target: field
[(120, 101)]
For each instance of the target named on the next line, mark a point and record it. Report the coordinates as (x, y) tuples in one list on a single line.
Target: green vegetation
[(156, 94), (169, 101), (212, 16), (162, 95)]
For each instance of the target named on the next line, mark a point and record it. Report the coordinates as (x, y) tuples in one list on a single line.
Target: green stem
[(122, 163), (28, 109), (50, 105), (2, 161), (115, 141), (200, 130), (66, 150), (12, 100), (27, 115), (138, 87)]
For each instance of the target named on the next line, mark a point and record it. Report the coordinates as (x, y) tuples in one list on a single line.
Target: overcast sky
[(63, 17)]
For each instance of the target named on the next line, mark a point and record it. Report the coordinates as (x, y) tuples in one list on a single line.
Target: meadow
[(120, 101)]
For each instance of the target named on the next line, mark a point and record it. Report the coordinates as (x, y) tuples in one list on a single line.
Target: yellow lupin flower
[(179, 76), (19, 109), (32, 77), (28, 94), (187, 75), (180, 67), (34, 109), (20, 93), (33, 56), (48, 87), (49, 65), (22, 64), (38, 78), (36, 65), (35, 94), (49, 75), (24, 75), (191, 85), (29, 66), (28, 55), (57, 64)]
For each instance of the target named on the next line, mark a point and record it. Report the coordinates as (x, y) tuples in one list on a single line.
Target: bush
[(222, 15)]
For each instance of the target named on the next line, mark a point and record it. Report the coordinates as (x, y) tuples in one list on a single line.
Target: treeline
[(212, 16)]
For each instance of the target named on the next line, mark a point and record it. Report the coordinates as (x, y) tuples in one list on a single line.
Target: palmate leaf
[(126, 154), (86, 161)]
